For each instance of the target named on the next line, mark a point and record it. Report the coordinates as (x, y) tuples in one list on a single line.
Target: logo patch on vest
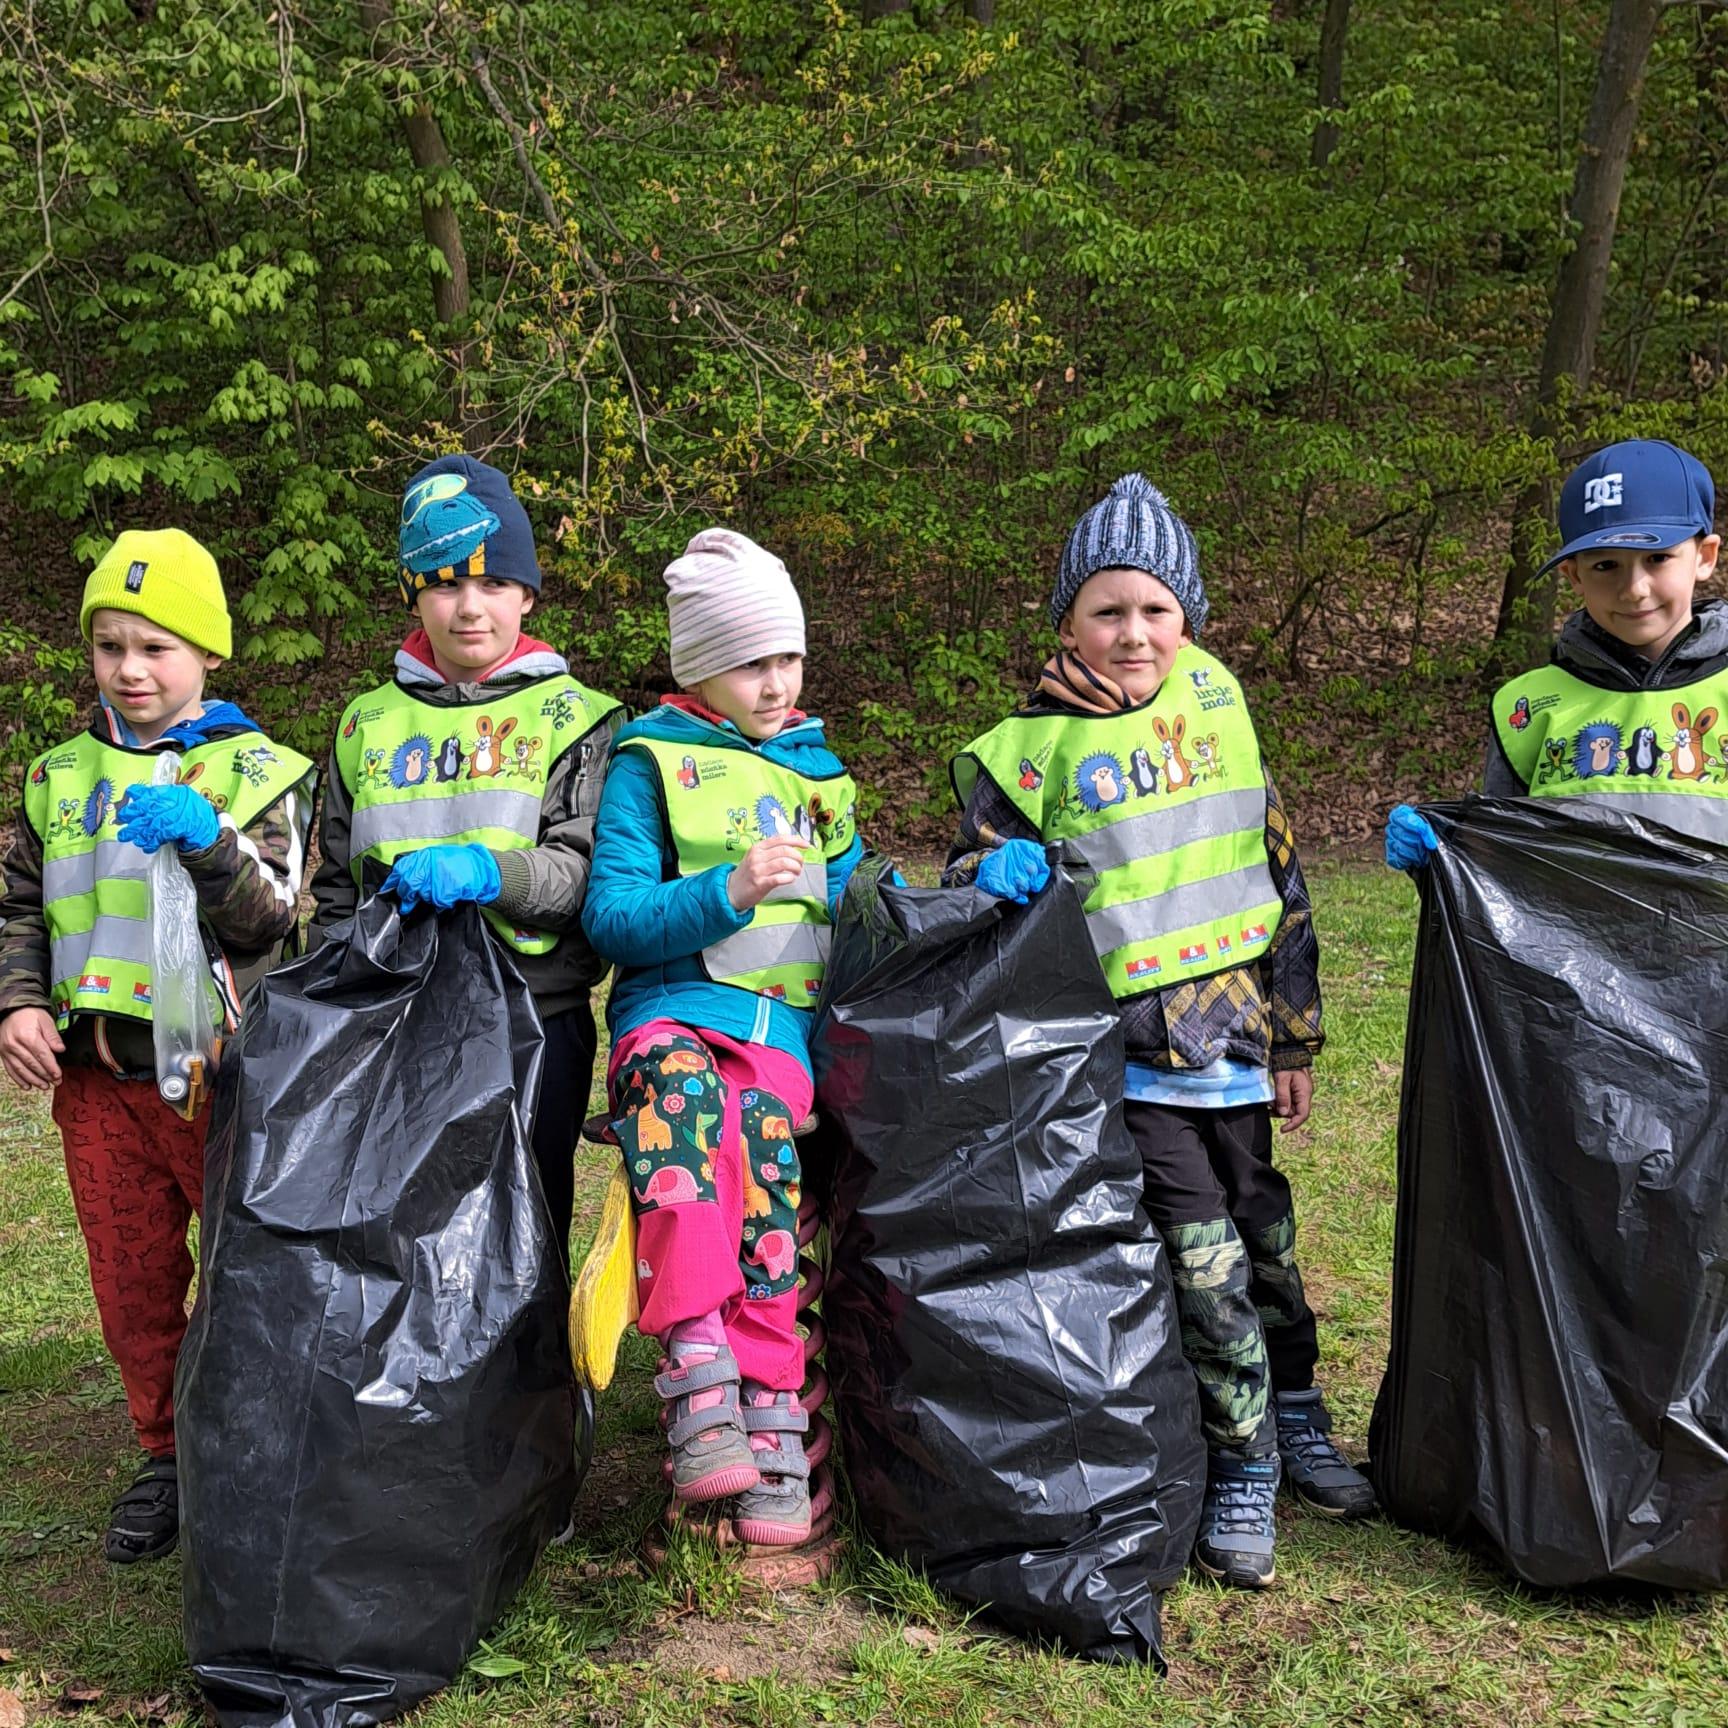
[(1256, 933), (135, 577), (1193, 956), (94, 984), (1146, 966), (141, 995)]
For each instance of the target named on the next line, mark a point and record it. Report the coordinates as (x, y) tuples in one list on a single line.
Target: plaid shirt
[(1265, 1011)]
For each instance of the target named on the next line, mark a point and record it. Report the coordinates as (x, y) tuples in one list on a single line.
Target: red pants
[(137, 1175)]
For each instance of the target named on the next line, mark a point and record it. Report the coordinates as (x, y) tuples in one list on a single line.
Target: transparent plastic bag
[(180, 989)]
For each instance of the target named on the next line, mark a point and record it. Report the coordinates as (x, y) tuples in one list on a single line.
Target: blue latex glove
[(1410, 840), (444, 876), (151, 816), (1015, 871)]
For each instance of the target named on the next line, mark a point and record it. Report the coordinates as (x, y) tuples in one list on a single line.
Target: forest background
[(896, 289)]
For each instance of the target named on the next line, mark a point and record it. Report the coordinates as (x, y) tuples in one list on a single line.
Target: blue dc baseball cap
[(1640, 494)]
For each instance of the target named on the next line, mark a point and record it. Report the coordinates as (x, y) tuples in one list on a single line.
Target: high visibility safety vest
[(96, 887), (718, 804), (1654, 753), (1167, 803), (435, 774)]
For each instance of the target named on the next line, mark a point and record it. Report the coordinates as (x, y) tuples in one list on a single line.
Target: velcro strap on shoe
[(775, 1418), (721, 1370), (778, 1463), (701, 1421)]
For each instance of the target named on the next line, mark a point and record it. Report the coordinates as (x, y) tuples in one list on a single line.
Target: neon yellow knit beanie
[(162, 574)]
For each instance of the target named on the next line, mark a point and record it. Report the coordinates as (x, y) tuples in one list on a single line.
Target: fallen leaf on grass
[(921, 1638), (12, 1714), (76, 1697), (156, 1709), (722, 1673), (5, 1655)]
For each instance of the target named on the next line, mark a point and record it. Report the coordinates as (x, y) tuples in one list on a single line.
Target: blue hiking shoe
[(1236, 1527), (1315, 1471)]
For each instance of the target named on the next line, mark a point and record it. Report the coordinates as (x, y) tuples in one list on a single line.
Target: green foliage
[(898, 298)]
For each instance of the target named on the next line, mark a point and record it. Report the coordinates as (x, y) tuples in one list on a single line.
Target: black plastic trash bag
[(1558, 1382), (374, 1405), (1017, 1415)]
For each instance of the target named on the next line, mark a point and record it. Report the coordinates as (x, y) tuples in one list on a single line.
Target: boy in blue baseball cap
[(474, 775), (1628, 709)]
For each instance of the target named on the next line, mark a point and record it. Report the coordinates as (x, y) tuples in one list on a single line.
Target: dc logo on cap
[(135, 577), (1603, 491)]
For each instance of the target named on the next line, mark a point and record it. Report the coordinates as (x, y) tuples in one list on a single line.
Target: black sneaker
[(1236, 1526), (144, 1523), (1315, 1471)]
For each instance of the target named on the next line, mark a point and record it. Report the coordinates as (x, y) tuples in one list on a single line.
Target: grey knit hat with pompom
[(1132, 528)]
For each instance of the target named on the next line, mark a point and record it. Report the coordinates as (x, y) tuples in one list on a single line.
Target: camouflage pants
[(1225, 1213)]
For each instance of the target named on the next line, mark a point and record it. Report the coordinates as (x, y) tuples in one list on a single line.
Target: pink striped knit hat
[(729, 602)]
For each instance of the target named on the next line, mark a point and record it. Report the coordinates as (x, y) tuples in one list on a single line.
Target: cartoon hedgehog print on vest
[(1596, 750)]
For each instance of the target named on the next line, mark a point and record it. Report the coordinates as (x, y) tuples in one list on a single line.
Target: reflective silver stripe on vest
[(434, 819), (1702, 815), (1180, 908), (811, 883), (1134, 837), (126, 940), (107, 860), (759, 947)]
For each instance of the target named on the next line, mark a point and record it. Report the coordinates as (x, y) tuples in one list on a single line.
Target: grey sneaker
[(776, 1512), (1236, 1526), (1315, 1471), (711, 1455)]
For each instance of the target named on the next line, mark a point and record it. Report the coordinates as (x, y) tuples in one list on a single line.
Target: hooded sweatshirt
[(541, 886), (247, 882), (1590, 654), (653, 924)]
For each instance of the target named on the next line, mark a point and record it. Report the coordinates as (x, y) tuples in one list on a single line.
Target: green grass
[(1369, 1625)]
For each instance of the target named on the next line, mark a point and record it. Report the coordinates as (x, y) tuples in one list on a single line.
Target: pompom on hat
[(1132, 528)]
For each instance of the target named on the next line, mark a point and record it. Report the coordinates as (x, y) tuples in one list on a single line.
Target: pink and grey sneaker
[(776, 1512), (711, 1454)]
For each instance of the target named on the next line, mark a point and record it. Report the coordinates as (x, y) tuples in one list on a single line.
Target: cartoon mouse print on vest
[(1686, 757), (1177, 771), (488, 758)]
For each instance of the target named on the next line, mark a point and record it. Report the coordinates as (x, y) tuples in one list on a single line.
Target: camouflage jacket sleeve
[(989, 818), (543, 885), (1291, 967), (25, 969), (334, 894), (248, 881)]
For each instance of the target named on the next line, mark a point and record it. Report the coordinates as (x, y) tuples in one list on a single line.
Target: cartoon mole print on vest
[(450, 758), (688, 776), (1142, 776), (1686, 757), (488, 758), (1643, 756)]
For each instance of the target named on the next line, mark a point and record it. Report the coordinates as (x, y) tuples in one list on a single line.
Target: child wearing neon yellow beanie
[(75, 951)]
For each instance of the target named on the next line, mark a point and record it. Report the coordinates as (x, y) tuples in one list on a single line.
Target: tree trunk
[(981, 12), (1334, 27), (1575, 318), (438, 218), (874, 9)]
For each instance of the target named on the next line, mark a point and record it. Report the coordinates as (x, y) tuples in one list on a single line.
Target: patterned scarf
[(1067, 679)]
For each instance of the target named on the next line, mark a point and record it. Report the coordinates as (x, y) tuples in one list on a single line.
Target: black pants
[(566, 1074), (1206, 1165)]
